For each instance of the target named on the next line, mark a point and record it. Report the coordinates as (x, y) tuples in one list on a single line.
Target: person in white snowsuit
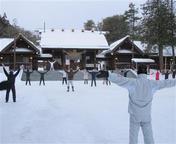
[(64, 77), (85, 76), (51, 65), (141, 91)]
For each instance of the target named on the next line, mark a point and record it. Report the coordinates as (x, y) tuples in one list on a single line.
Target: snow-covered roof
[(140, 45), (103, 53), (73, 39), (116, 43), (167, 50), (46, 55), (4, 42), (142, 60)]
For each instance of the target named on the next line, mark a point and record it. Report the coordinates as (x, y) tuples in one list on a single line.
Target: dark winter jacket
[(42, 73), (93, 74), (173, 74), (71, 74), (166, 75), (103, 74), (11, 77), (28, 73)]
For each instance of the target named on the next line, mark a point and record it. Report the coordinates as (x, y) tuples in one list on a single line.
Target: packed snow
[(93, 115)]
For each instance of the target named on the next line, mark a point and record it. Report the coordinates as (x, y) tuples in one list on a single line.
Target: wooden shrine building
[(73, 47), (120, 53), (18, 51)]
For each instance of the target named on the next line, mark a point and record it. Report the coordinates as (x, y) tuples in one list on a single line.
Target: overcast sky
[(31, 14)]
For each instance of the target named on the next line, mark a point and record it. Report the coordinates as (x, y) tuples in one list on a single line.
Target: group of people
[(28, 73), (166, 74), (68, 77), (141, 91)]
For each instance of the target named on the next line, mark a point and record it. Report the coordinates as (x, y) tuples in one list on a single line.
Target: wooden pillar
[(165, 64), (83, 60), (94, 58), (62, 59)]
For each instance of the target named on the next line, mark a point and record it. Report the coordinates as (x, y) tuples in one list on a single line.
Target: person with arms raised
[(141, 91), (11, 76)]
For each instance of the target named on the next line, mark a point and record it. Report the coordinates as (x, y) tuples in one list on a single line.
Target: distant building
[(73, 46), (18, 51), (167, 55), (88, 49), (120, 53)]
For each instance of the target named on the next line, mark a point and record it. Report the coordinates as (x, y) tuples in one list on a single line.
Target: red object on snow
[(157, 75)]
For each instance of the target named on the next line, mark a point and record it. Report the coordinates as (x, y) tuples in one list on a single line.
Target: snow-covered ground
[(90, 115)]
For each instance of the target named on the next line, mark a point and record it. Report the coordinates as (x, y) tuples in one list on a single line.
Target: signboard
[(67, 62)]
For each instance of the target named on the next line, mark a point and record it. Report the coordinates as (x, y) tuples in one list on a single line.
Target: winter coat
[(11, 77), (42, 73), (64, 74), (173, 74), (71, 74), (93, 74), (166, 75), (28, 73), (157, 75), (141, 91), (85, 75)]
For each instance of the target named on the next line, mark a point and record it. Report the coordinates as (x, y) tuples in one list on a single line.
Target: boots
[(69, 88), (72, 88)]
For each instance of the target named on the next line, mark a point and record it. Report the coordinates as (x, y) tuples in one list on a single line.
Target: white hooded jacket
[(141, 91)]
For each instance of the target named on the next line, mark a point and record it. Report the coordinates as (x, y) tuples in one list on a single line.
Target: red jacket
[(157, 75)]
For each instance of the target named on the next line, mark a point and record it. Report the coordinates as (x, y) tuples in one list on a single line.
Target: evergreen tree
[(172, 29), (89, 25), (8, 30), (3, 23), (156, 23), (116, 26), (132, 19)]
